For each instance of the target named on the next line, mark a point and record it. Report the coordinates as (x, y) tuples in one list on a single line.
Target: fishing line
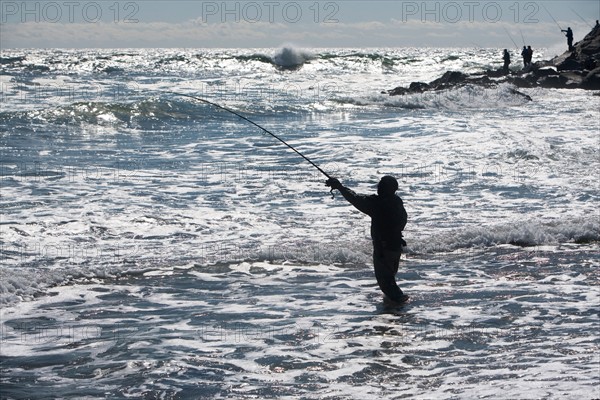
[(257, 125), (551, 16), (580, 17), (509, 35)]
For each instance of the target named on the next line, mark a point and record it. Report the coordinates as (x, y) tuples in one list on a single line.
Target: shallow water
[(479, 326)]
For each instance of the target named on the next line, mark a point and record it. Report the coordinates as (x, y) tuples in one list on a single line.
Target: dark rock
[(553, 82), (589, 63), (418, 87), (449, 77), (592, 80), (590, 45), (521, 82), (397, 91), (530, 78), (574, 76), (495, 74), (546, 71), (569, 64)]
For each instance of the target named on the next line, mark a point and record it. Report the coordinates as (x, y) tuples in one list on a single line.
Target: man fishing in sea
[(388, 219), (386, 209)]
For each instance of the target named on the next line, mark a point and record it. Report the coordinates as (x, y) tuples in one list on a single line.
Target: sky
[(275, 23)]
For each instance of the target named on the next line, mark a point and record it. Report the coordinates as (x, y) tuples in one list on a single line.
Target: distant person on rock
[(529, 55), (388, 219), (524, 54), (506, 58), (569, 35)]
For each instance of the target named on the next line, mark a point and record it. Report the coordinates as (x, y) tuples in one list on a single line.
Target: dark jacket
[(388, 217)]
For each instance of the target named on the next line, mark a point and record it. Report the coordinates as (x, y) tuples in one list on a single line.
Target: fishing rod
[(580, 17), (255, 124), (509, 35), (522, 38), (559, 27)]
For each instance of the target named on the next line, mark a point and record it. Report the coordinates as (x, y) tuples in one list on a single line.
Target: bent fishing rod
[(581, 18), (511, 38), (555, 21), (255, 124)]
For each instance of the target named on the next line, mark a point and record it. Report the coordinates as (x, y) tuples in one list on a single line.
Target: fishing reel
[(333, 183)]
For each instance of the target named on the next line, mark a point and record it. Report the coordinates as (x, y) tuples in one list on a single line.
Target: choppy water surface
[(157, 247)]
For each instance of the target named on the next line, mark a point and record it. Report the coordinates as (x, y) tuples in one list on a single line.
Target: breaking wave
[(466, 97), (29, 280), (291, 58)]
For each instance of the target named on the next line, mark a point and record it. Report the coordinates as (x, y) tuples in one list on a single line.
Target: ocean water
[(154, 246)]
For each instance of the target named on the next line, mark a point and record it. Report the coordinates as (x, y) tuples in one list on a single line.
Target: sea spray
[(289, 57)]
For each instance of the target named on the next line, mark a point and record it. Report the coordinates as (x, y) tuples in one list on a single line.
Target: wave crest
[(521, 233), (107, 113), (291, 58)]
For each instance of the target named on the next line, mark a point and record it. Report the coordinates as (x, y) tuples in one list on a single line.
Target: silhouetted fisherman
[(529, 55), (569, 35), (524, 54), (506, 58), (388, 219)]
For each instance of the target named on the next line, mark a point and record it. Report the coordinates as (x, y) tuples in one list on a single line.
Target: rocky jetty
[(579, 68)]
